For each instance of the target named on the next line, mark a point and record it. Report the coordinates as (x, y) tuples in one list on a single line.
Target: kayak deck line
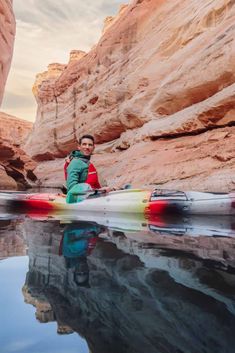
[(146, 202)]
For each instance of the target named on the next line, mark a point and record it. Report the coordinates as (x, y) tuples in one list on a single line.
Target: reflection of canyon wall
[(209, 249), (40, 247), (44, 312), (12, 242), (130, 306), (157, 92), (16, 167), (7, 36)]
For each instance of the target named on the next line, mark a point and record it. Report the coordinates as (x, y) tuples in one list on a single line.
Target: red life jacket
[(66, 164), (92, 177)]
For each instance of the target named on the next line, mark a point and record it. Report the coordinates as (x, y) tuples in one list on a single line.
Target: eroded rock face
[(13, 129), (201, 162), (7, 36), (162, 70), (16, 166)]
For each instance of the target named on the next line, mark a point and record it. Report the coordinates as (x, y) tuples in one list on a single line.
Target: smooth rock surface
[(161, 76), (7, 36), (203, 162)]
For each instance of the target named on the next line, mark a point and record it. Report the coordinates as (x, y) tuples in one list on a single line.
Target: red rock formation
[(13, 129), (200, 162), (16, 167), (7, 36), (76, 55), (162, 70)]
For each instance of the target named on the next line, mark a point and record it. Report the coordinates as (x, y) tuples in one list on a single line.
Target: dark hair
[(90, 137)]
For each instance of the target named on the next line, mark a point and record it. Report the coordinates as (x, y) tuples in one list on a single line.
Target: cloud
[(19, 346), (46, 31)]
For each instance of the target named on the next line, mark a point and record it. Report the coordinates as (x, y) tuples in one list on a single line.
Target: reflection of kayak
[(193, 226), (135, 201), (154, 225), (159, 225)]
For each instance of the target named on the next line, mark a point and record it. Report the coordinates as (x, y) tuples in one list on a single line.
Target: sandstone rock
[(13, 129), (161, 70), (50, 173), (16, 166), (107, 22), (6, 182), (202, 162), (76, 55), (7, 36), (53, 72), (187, 163), (111, 19)]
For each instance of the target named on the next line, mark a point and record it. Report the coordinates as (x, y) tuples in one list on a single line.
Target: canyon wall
[(157, 92), (16, 167), (7, 36)]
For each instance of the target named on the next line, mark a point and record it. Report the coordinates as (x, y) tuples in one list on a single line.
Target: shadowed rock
[(16, 166)]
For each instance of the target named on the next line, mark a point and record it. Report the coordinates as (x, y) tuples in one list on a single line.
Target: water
[(123, 284)]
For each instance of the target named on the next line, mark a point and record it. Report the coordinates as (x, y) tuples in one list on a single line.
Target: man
[(78, 241), (81, 170)]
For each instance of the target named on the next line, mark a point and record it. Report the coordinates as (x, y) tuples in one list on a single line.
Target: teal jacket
[(75, 241), (77, 169)]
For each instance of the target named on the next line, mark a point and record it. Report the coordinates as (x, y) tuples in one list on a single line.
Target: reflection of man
[(80, 170), (78, 242)]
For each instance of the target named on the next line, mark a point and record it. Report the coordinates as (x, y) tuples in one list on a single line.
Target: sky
[(27, 334), (46, 32)]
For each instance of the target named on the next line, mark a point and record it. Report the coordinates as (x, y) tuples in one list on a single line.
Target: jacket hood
[(79, 154)]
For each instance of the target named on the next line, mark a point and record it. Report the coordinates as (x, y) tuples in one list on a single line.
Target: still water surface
[(120, 285), (20, 331)]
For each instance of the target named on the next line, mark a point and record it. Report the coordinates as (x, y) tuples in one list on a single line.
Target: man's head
[(81, 272), (86, 144)]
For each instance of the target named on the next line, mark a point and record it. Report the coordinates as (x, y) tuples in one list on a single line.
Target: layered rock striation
[(157, 92), (7, 36), (16, 167)]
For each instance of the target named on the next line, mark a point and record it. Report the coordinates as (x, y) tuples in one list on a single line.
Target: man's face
[(86, 147)]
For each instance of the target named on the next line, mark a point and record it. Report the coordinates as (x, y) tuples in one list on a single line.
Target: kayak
[(140, 201)]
